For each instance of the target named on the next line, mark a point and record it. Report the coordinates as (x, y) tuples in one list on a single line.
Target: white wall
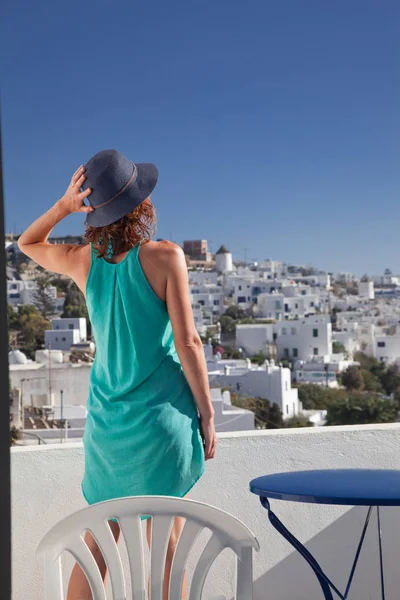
[(299, 335), (46, 488), (387, 348), (272, 383), (72, 379), (61, 339), (72, 323), (253, 338)]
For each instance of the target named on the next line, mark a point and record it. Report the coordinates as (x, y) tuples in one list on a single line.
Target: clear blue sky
[(275, 125)]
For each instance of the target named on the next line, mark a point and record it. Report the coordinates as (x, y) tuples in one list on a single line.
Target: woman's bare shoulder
[(163, 252)]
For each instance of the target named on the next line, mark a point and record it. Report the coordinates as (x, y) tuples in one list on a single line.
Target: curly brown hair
[(127, 232)]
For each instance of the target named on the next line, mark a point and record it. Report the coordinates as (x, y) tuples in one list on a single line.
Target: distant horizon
[(241, 260)]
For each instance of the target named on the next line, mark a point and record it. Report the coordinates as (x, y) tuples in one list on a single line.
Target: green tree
[(32, 328), (12, 317), (371, 382), (298, 421), (360, 409), (75, 305), (259, 358), (338, 348), (231, 353), (235, 312), (227, 324), (316, 397), (42, 297), (352, 378), (267, 415), (15, 435), (390, 379), (312, 397)]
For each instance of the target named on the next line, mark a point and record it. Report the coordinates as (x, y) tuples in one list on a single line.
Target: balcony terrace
[(46, 487)]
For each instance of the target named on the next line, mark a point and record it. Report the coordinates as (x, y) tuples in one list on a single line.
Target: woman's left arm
[(58, 258)]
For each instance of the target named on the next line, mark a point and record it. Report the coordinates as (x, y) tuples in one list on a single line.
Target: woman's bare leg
[(78, 588), (173, 541)]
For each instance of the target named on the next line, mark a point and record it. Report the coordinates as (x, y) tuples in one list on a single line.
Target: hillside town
[(286, 345)]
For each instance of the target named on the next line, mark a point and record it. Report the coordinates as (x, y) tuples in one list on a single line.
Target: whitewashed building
[(208, 296), (268, 381), (223, 260), (65, 332), (228, 417), (387, 348), (304, 339), (366, 290), (295, 340), (287, 305)]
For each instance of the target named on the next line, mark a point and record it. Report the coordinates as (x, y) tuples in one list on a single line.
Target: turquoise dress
[(142, 434)]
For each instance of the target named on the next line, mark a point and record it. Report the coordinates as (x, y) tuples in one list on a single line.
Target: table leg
[(380, 552), (326, 584)]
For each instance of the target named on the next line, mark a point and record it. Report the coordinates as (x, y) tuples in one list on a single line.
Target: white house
[(296, 339), (286, 305), (366, 290), (21, 292), (268, 381), (304, 339), (208, 296), (78, 323), (65, 332), (387, 348), (228, 417)]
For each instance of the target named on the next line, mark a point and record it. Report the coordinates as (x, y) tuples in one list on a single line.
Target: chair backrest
[(68, 535)]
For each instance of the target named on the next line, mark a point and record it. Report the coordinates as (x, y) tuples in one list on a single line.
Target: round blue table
[(346, 487)]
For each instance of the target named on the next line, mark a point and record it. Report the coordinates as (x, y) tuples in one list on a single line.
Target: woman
[(150, 422)]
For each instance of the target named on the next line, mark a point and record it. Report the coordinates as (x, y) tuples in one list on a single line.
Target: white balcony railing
[(46, 487)]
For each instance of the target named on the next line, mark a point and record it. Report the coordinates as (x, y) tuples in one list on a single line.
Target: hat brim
[(135, 193)]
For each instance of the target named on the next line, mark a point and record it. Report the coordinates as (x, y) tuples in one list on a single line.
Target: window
[(56, 339), (315, 351), (287, 409), (284, 330), (296, 306), (286, 386), (241, 299), (311, 303), (71, 326), (278, 304), (248, 298), (381, 344), (201, 302), (216, 302), (294, 330), (240, 288), (286, 352), (295, 352), (63, 339), (14, 296), (315, 333), (286, 307), (274, 337)]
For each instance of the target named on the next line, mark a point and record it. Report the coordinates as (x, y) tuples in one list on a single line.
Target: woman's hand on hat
[(73, 199)]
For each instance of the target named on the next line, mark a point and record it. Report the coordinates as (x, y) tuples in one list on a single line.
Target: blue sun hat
[(118, 186)]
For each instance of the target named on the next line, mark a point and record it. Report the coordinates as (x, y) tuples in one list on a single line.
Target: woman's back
[(142, 434), (131, 326)]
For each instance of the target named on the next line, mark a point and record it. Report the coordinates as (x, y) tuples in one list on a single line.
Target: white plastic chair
[(68, 535)]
